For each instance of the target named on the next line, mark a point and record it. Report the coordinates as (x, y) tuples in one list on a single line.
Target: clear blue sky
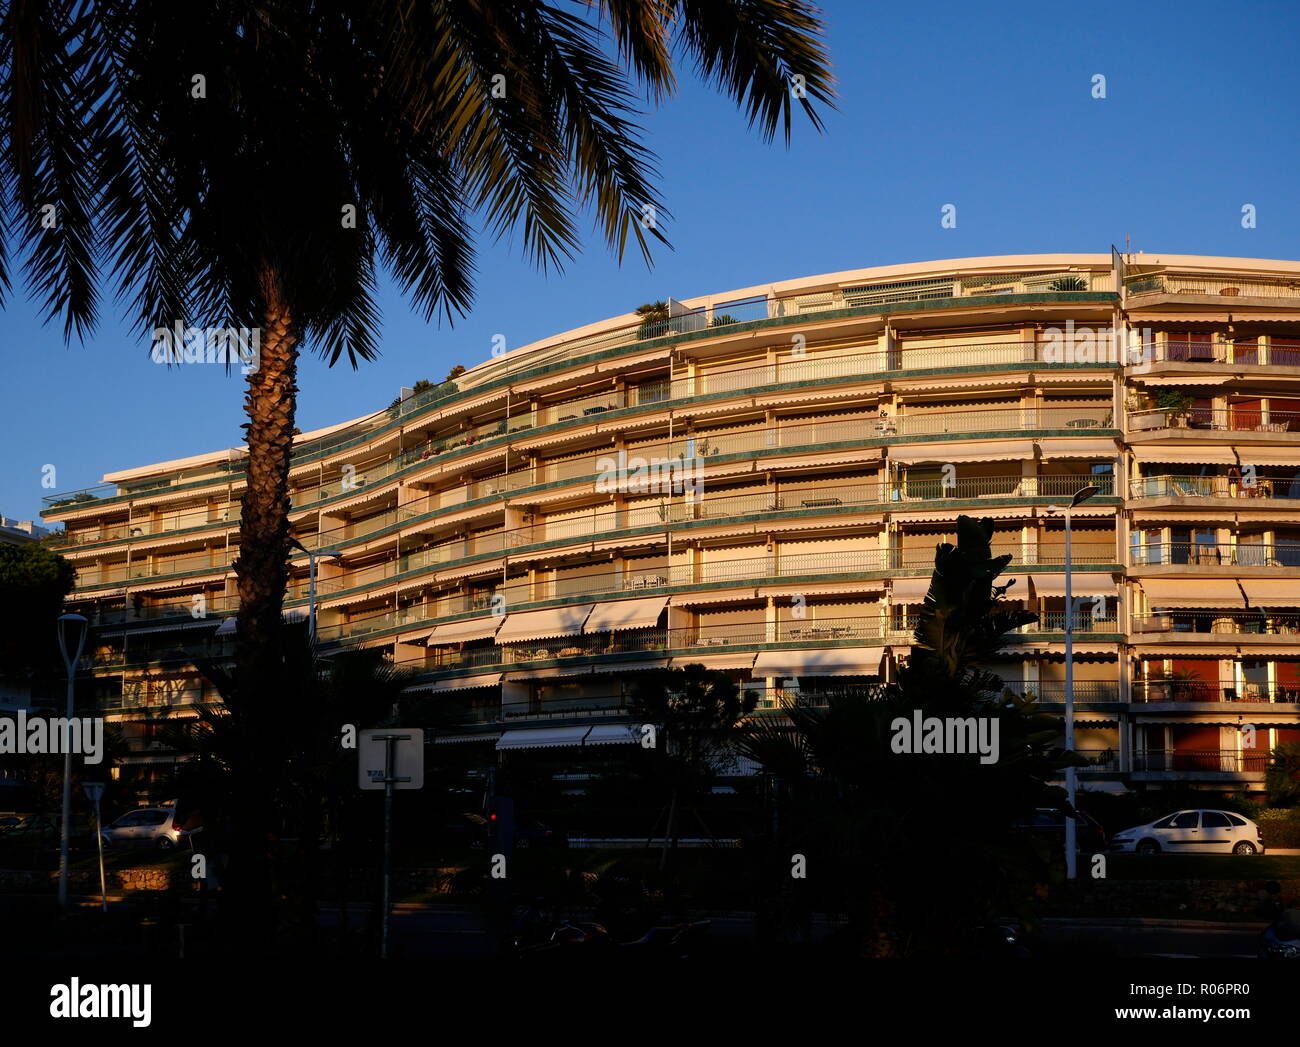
[(985, 106)]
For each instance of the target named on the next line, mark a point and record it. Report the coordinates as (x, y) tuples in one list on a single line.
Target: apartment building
[(757, 483), (19, 532)]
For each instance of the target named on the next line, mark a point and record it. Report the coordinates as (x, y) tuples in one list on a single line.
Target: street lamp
[(311, 583), (1071, 776), (72, 630)]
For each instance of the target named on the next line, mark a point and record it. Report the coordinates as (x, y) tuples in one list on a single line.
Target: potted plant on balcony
[(1144, 414), (1068, 283), (1176, 404), (654, 319)]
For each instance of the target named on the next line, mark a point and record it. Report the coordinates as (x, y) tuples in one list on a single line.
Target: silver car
[(1192, 832), (146, 827)]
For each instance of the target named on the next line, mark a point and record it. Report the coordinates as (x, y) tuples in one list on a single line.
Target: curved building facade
[(758, 483)]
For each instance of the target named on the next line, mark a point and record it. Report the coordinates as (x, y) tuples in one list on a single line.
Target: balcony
[(1189, 692), (1097, 692), (1203, 488), (1221, 287), (1054, 622), (1198, 420), (1053, 486), (1209, 554), (1100, 761), (1200, 763), (1219, 627), (1248, 354)]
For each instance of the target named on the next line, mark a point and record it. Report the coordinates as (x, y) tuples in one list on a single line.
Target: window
[(653, 392), (1214, 820), (1186, 820), (1165, 823), (1234, 820)]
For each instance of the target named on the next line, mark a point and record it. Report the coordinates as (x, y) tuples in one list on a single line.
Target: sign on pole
[(407, 757), (94, 793)]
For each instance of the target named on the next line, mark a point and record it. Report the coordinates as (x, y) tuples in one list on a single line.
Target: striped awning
[(457, 683), (910, 590), (731, 660), (1199, 455), (522, 626), (1252, 455), (1181, 379), (639, 666), (465, 629), (475, 736), (1065, 447), (550, 672), (566, 737), (1200, 592), (970, 450), (1272, 592), (832, 661)]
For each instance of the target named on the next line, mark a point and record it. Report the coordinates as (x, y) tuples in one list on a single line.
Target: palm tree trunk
[(263, 696)]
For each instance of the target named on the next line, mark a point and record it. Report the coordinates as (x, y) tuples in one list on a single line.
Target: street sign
[(407, 758), (94, 791)]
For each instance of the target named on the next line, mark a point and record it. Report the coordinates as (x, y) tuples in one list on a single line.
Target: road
[(449, 931)]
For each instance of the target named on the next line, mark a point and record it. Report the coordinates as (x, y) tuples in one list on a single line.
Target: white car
[(1192, 832), (146, 827)]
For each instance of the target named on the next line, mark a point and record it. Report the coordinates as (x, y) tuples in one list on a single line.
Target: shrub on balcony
[(1177, 403), (654, 319), (1068, 283)]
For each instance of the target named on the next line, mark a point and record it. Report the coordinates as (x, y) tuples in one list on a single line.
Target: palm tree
[(256, 165), (304, 773)]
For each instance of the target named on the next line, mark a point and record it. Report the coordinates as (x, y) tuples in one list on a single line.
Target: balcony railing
[(1208, 554), (1254, 419), (793, 565), (1241, 353), (1211, 761), (1054, 622), (804, 369), (779, 499), (1174, 690), (1053, 693), (1287, 488), (1223, 286), (1200, 623), (1100, 761)]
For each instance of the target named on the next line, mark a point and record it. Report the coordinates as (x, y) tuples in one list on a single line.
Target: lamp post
[(1071, 776), (72, 629), (311, 584)]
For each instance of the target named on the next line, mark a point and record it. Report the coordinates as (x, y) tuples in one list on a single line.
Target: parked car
[(1090, 837), (1192, 832), (145, 827), (1281, 939), (32, 827)]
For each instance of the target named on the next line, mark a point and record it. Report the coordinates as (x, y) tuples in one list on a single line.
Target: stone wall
[(144, 878)]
